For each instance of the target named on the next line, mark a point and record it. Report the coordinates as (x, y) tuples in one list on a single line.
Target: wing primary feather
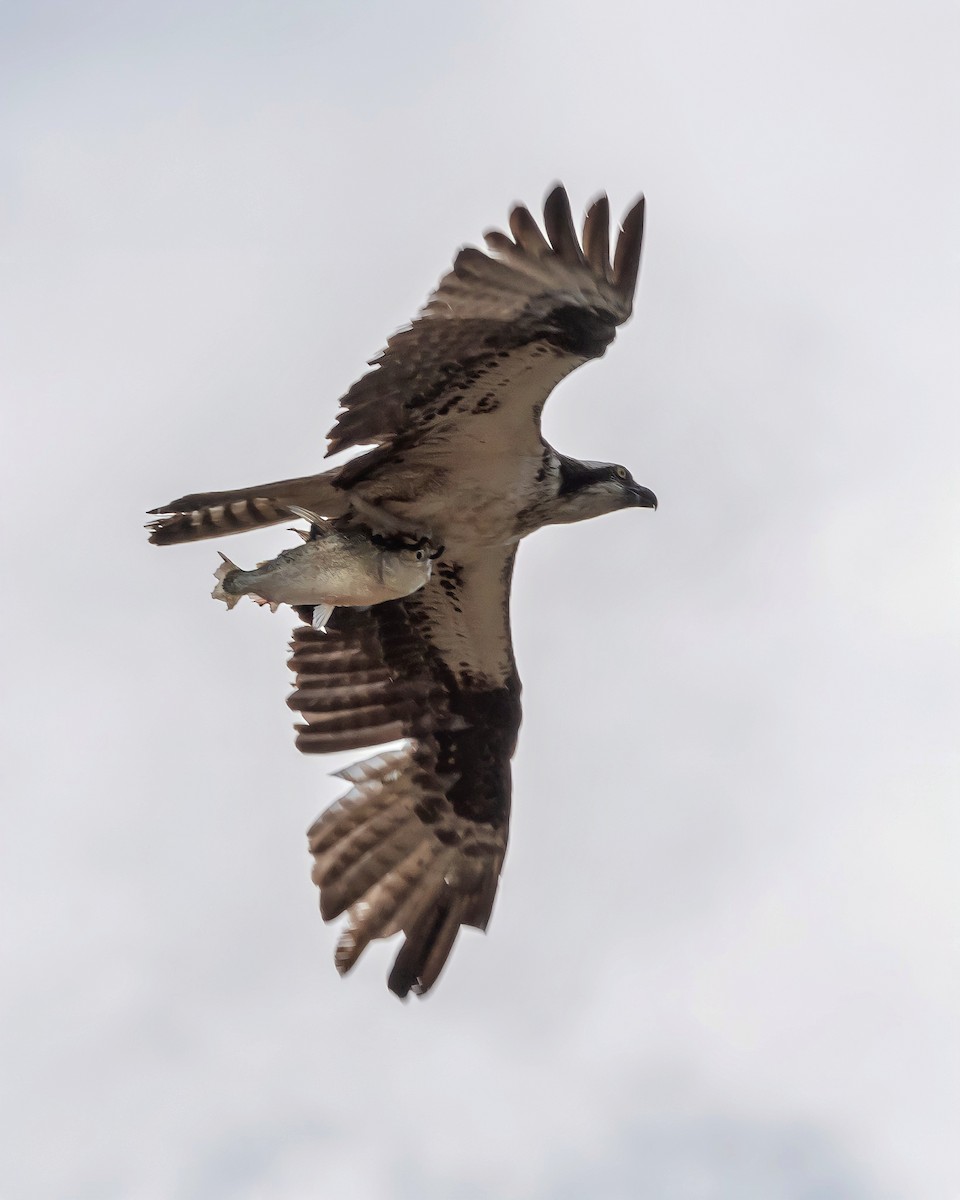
[(558, 220), (393, 903), (380, 847), (499, 243), (596, 236), (481, 902), (440, 945), (527, 233), (428, 945), (626, 262), (361, 819)]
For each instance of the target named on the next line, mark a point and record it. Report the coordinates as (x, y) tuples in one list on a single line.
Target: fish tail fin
[(225, 569)]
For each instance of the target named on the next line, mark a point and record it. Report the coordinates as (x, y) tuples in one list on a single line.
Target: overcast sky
[(724, 960)]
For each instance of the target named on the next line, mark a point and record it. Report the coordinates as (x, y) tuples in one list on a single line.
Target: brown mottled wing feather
[(418, 842), (526, 294)]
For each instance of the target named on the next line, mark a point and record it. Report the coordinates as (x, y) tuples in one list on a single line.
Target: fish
[(333, 568)]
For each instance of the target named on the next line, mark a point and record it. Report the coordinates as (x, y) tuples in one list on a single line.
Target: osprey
[(452, 410)]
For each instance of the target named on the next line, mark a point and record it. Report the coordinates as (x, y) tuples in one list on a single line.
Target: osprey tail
[(384, 855), (216, 514)]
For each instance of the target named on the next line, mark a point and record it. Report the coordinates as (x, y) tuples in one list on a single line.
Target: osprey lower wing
[(393, 855)]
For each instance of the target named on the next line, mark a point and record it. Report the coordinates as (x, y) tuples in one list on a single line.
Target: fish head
[(409, 564)]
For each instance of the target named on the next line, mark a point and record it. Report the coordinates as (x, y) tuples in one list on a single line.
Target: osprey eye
[(620, 472)]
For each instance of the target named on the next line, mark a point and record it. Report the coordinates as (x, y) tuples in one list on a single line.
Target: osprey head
[(591, 489)]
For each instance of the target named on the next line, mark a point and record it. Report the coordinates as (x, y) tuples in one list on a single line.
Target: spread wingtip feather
[(558, 219), (626, 260)]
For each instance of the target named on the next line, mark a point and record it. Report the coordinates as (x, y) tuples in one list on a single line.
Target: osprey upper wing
[(418, 842), (472, 371), (502, 328)]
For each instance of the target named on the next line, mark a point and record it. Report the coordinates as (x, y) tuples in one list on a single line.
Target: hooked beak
[(642, 497)]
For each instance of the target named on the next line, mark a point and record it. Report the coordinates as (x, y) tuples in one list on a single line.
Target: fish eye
[(620, 472)]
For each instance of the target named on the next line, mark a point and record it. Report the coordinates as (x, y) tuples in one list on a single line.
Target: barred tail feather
[(216, 520), (216, 514), (394, 856)]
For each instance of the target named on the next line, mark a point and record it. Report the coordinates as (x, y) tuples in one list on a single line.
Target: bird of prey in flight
[(451, 408)]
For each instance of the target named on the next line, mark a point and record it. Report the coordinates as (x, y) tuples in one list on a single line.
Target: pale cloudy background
[(724, 962)]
